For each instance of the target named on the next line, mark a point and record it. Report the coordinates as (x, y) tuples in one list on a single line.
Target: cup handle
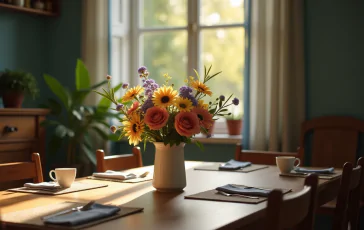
[(50, 175), (299, 162)]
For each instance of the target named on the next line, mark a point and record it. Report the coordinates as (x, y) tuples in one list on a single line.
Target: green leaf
[(57, 89), (200, 145), (82, 76), (61, 131), (77, 115), (113, 137), (105, 102), (89, 153), (54, 106), (101, 132)]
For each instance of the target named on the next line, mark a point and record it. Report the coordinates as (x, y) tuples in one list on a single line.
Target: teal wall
[(41, 45), (335, 57)]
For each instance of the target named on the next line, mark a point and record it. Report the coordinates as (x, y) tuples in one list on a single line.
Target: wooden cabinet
[(20, 136)]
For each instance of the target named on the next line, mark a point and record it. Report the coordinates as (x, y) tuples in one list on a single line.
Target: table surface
[(172, 210)]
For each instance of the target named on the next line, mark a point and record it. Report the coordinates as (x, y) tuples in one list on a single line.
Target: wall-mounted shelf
[(28, 10)]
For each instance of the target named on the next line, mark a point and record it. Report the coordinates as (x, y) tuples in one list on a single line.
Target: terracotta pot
[(234, 126), (12, 99)]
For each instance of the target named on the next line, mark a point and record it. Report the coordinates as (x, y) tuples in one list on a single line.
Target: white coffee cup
[(287, 164), (64, 176)]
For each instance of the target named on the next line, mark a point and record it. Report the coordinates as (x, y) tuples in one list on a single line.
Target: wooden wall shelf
[(28, 10)]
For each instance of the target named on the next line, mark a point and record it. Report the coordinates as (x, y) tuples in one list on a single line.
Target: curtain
[(277, 78), (95, 38)]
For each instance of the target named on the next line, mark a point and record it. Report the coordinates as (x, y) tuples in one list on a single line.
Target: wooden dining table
[(172, 210)]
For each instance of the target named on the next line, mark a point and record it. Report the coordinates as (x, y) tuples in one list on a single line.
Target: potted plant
[(234, 123), (74, 121), (14, 85)]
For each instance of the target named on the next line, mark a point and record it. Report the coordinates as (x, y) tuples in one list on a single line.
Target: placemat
[(212, 195), (76, 187), (215, 167), (136, 180), (32, 217), (320, 176)]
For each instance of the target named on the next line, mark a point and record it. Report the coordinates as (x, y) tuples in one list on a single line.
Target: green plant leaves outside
[(82, 76)]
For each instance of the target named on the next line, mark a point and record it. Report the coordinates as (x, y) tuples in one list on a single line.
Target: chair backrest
[(355, 197), (261, 157), (350, 181), (335, 140), (118, 162), (22, 170), (295, 210)]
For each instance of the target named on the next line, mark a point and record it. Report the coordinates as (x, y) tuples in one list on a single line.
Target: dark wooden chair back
[(22, 170), (295, 210), (261, 157), (335, 140), (118, 162), (350, 181), (355, 196)]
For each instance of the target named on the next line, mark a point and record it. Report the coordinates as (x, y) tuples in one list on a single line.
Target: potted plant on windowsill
[(14, 85), (234, 123)]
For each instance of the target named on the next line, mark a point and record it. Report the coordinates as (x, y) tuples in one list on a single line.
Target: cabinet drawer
[(17, 127)]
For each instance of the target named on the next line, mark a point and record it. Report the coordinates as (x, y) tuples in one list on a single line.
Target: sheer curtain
[(95, 38), (277, 78)]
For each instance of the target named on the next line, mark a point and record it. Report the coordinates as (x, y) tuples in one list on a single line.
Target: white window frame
[(126, 29)]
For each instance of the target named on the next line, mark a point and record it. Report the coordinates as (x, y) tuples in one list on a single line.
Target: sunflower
[(201, 87), (183, 104), (164, 96), (132, 93), (134, 128), (201, 104)]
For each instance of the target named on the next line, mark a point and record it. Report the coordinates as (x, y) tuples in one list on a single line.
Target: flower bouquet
[(167, 116)]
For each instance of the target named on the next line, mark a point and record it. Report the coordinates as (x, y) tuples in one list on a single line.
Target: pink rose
[(187, 124), (156, 118)]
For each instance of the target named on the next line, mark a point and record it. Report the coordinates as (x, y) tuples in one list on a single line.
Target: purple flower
[(193, 99), (149, 86), (147, 104), (125, 86), (185, 91), (142, 69), (235, 101), (222, 98), (108, 77), (119, 107)]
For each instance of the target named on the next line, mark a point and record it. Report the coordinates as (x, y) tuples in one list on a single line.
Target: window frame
[(126, 27)]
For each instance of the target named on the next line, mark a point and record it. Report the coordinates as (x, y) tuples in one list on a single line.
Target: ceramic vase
[(169, 168)]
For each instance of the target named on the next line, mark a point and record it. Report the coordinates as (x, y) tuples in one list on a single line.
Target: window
[(177, 36)]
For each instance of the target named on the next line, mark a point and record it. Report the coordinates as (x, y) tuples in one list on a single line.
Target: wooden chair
[(22, 170), (118, 162), (295, 210), (261, 157), (345, 209)]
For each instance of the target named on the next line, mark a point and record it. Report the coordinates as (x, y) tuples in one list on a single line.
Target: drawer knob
[(10, 129)]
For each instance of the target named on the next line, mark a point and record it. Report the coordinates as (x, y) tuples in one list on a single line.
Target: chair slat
[(118, 162)]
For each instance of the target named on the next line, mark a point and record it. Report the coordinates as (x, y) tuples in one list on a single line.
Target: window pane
[(217, 12), (163, 13), (224, 50), (165, 52)]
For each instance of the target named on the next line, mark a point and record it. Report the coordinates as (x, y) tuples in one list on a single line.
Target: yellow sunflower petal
[(164, 96), (132, 93), (183, 104), (201, 87), (134, 128)]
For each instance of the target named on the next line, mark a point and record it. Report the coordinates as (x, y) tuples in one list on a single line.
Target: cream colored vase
[(169, 168)]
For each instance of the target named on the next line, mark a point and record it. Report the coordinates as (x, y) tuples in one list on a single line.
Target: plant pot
[(234, 126), (12, 99), (169, 168)]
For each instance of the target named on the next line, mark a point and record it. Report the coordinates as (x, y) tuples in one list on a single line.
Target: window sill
[(219, 139)]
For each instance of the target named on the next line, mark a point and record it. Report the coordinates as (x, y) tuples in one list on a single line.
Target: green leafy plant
[(74, 120), (18, 81)]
